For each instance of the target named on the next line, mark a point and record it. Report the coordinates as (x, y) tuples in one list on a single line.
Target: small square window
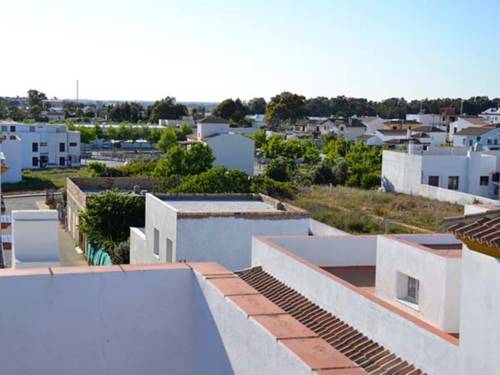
[(412, 290), (453, 182), (484, 180), (34, 162)]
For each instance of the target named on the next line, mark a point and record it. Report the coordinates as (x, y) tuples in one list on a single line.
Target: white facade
[(492, 115), (487, 136), (185, 120), (427, 119), (35, 238), (211, 229), (464, 122), (45, 145), (451, 168), (231, 149), (372, 123)]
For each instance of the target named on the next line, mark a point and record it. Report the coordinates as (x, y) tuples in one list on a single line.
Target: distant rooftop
[(229, 204)]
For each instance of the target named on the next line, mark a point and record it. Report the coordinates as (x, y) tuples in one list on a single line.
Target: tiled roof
[(366, 353), (476, 131), (482, 228), (428, 129), (479, 121)]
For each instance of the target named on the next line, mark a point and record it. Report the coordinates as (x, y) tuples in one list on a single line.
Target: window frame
[(451, 183), (156, 242)]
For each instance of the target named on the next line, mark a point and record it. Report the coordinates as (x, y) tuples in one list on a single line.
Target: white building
[(185, 120), (425, 303), (45, 145), (492, 115), (258, 121), (442, 173), (477, 137), (231, 149), (464, 122), (428, 119), (210, 228), (351, 129), (372, 123)]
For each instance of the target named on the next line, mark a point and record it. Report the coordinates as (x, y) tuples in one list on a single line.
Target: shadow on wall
[(387, 185)]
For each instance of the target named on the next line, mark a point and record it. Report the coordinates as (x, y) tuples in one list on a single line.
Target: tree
[(259, 138), (107, 219), (129, 112), (281, 169), (168, 139), (182, 162), (216, 180), (273, 188), (257, 106), (230, 109), (36, 104), (285, 107), (166, 109)]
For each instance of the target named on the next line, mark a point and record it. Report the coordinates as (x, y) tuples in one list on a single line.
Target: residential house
[(398, 124), (11, 158), (464, 122), (428, 119), (477, 137), (199, 228), (372, 123), (350, 129), (45, 145), (446, 173), (231, 150), (184, 120), (491, 115)]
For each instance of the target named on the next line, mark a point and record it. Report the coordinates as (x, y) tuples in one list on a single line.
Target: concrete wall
[(207, 129), (330, 251), (35, 237), (233, 151), (138, 243), (401, 172), (98, 324), (251, 350), (228, 240), (317, 228), (439, 281), (413, 342), (479, 338)]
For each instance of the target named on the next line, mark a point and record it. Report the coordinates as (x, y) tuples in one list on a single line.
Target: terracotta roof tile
[(481, 228), (284, 327)]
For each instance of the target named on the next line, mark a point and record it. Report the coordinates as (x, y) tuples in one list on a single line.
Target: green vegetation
[(361, 211), (107, 220), (41, 179)]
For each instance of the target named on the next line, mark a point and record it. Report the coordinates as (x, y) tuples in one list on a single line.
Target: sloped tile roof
[(483, 228)]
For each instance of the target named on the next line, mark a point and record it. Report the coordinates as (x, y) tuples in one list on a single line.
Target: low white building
[(231, 149), (350, 129), (210, 228), (184, 120), (428, 119), (477, 137), (464, 122), (492, 115), (45, 145), (425, 303), (443, 173), (372, 123)]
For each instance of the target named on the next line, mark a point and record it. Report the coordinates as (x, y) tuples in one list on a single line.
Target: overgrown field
[(362, 211)]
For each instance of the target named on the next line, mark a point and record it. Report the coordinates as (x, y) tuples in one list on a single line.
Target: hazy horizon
[(203, 51)]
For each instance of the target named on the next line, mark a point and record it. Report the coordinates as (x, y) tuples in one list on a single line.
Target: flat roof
[(202, 205)]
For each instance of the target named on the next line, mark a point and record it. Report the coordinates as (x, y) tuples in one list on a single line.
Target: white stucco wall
[(233, 151), (418, 345), (35, 237), (317, 228), (138, 243), (330, 251), (250, 349), (228, 240), (439, 281), (400, 172), (479, 329)]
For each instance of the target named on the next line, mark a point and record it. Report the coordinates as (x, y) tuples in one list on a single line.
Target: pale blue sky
[(211, 50)]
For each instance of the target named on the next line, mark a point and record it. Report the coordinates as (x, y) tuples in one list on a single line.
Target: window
[(13, 128), (412, 290), (478, 139), (4, 128), (34, 147), (484, 180), (72, 144), (434, 180), (453, 182), (43, 144), (495, 141), (34, 162), (169, 251), (470, 142), (62, 147), (62, 161), (156, 242)]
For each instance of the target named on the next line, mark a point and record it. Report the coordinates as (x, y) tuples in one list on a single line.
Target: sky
[(212, 50)]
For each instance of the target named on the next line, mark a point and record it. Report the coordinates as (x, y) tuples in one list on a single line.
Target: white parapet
[(35, 238)]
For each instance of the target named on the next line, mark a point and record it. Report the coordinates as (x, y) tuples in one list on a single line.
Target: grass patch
[(43, 179), (357, 211)]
